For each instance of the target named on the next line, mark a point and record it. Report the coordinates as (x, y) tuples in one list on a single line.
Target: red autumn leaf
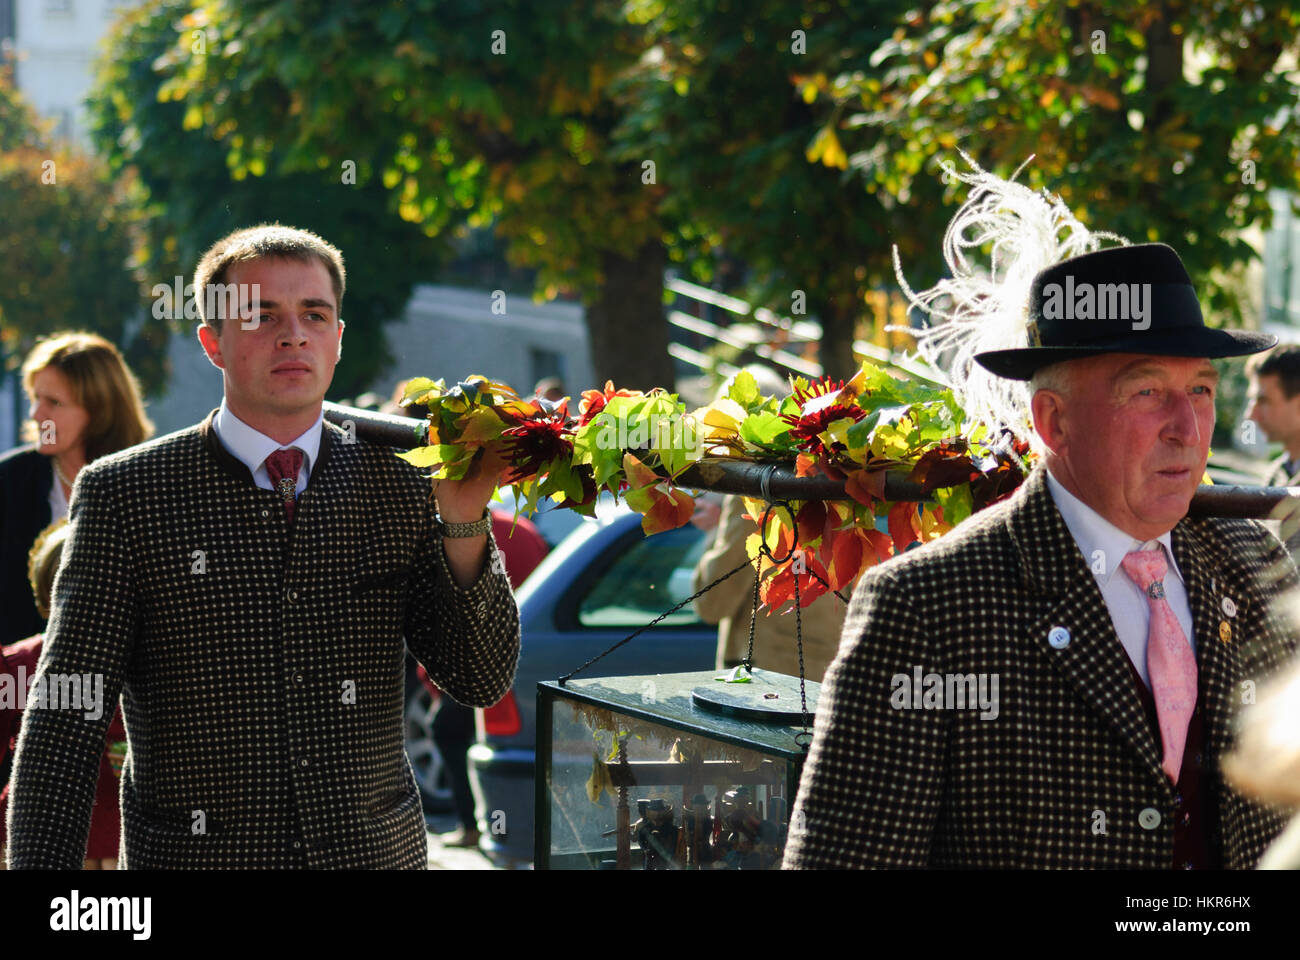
[(784, 541), (805, 466), (883, 545), (862, 486), (904, 525), (944, 466), (670, 511), (777, 589), (829, 536), (661, 507), (828, 468), (638, 474), (810, 588), (811, 520), (846, 560)]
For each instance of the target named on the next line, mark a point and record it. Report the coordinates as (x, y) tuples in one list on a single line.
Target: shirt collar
[(253, 447), (1093, 532)]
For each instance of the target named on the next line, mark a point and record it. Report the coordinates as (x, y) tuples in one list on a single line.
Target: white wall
[(56, 42)]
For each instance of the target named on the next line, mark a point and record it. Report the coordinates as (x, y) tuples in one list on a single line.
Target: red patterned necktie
[(283, 467), (1170, 661)]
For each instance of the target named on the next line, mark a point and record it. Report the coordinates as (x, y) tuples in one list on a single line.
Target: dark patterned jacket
[(885, 786), (261, 666)]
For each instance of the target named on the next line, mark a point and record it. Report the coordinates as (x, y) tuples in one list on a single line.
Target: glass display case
[(668, 772)]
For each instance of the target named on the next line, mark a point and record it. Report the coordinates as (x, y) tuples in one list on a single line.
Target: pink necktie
[(283, 467), (1170, 661)]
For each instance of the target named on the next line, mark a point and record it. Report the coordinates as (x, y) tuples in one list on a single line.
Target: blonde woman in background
[(85, 403)]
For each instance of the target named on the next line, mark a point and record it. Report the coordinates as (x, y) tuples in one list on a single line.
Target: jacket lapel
[(1065, 595)]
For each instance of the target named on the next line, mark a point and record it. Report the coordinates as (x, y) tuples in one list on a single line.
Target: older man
[(251, 585), (1122, 634)]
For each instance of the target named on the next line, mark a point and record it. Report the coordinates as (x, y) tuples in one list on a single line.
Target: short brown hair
[(1283, 362), (43, 562), (101, 383), (258, 243)]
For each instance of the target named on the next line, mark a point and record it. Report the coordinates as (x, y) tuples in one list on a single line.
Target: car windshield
[(652, 576)]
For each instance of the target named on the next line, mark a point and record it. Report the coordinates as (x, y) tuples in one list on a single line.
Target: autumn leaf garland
[(638, 444)]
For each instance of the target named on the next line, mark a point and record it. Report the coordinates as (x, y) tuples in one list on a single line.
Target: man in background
[(1275, 405)]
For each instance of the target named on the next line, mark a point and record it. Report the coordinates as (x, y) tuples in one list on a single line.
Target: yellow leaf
[(420, 456), (723, 412), (832, 154)]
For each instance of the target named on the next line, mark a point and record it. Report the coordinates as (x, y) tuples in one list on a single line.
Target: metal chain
[(763, 549), (666, 613)]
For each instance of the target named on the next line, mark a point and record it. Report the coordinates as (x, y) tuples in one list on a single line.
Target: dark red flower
[(817, 411), (536, 441)]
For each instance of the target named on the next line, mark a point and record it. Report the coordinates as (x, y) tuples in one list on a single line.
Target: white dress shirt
[(252, 447), (1104, 546), (58, 500)]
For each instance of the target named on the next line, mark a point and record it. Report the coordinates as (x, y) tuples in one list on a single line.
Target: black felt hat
[(1135, 299)]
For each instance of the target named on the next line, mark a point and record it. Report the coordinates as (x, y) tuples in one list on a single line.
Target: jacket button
[(1059, 638), (303, 763), (1149, 818), (291, 596), (482, 609), (297, 844), (298, 678)]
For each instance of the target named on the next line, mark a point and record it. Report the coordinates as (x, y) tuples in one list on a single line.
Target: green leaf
[(597, 444), (744, 391), (762, 429)]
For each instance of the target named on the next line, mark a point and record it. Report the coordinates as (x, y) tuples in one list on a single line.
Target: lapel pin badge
[(1225, 631)]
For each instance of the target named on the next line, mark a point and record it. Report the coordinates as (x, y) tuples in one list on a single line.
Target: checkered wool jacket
[(261, 667), (887, 787)]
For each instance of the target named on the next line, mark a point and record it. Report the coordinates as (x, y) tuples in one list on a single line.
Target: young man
[(1275, 407), (1121, 632), (250, 586)]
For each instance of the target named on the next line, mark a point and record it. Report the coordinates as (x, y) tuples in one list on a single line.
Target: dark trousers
[(453, 732)]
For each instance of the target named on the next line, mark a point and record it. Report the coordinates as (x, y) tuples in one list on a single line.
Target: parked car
[(605, 580)]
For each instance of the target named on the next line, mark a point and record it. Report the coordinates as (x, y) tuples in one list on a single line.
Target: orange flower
[(593, 401)]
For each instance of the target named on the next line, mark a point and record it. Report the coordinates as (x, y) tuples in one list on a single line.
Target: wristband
[(455, 530)]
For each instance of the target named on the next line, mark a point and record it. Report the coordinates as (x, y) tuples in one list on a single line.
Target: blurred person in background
[(18, 662), (728, 604), (1266, 762), (85, 403), (1274, 405), (550, 388)]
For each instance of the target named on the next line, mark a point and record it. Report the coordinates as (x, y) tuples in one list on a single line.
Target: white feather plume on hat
[(985, 307)]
